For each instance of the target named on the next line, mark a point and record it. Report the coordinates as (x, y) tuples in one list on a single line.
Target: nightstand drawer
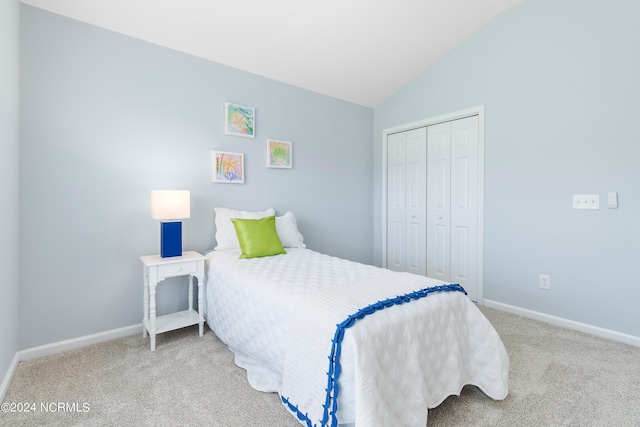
[(177, 269)]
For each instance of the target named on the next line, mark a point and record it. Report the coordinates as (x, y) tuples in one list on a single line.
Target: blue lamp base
[(170, 239)]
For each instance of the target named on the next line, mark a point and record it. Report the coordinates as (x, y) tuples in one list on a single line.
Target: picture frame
[(239, 120), (279, 154), (228, 167)]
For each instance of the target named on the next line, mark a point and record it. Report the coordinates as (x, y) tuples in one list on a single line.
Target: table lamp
[(170, 206)]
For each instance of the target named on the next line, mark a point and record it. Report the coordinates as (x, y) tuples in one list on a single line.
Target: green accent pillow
[(258, 237)]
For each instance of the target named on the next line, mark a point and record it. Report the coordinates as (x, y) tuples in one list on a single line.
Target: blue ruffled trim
[(331, 402)]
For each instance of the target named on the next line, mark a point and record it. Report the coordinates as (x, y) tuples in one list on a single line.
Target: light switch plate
[(586, 201), (612, 200)]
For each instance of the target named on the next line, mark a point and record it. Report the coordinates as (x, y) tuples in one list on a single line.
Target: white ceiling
[(360, 51)]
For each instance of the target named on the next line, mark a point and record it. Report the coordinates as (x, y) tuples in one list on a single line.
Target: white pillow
[(287, 230), (225, 231)]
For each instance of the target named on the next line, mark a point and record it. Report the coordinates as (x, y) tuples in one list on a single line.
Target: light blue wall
[(9, 135), (559, 82), (107, 118)]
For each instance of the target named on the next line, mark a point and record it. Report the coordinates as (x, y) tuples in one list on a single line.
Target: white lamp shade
[(170, 204)]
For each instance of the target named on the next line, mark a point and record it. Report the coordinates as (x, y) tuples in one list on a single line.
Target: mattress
[(256, 306)]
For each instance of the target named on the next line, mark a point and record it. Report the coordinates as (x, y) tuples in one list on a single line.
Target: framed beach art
[(228, 167), (239, 120), (279, 154)]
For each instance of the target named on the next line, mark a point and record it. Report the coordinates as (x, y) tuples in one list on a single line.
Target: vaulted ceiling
[(361, 51)]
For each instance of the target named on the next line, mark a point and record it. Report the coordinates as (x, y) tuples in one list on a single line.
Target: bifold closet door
[(406, 201), (453, 203)]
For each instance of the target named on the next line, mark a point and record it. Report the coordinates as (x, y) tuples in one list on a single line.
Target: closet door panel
[(396, 246), (438, 201), (414, 261), (416, 215), (464, 208), (396, 196)]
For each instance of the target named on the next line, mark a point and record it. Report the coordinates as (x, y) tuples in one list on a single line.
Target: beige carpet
[(558, 377)]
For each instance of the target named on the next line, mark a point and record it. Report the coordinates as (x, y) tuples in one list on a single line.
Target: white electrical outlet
[(545, 281)]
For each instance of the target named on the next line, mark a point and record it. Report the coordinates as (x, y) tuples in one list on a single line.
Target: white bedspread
[(249, 303), (408, 357), (278, 315)]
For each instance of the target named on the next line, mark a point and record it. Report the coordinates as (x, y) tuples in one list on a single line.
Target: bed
[(343, 342)]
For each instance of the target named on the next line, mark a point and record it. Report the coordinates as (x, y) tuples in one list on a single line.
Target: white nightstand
[(156, 269)]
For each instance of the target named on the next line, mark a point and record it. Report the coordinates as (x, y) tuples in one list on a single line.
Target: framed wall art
[(239, 120), (228, 167), (279, 154)]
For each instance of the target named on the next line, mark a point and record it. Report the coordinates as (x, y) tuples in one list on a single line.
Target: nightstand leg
[(201, 304), (145, 307), (190, 292), (152, 315)]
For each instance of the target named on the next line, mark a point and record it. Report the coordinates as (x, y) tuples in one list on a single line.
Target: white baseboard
[(61, 346), (565, 323), (8, 376), (71, 344)]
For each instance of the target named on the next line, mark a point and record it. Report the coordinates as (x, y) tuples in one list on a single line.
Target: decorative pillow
[(226, 237), (287, 229), (258, 237)]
